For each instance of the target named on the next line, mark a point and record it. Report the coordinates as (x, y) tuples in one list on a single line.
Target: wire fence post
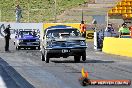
[(55, 10), (107, 19), (0, 15), (28, 11)]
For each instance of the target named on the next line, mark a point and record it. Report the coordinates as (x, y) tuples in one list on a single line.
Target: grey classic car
[(63, 41)]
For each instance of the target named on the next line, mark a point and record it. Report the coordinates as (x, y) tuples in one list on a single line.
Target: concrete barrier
[(118, 46)]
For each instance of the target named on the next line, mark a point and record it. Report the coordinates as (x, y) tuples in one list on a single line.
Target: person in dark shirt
[(7, 37), (110, 30), (34, 33)]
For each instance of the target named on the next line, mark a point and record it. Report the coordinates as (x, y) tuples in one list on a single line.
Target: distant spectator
[(18, 12), (130, 28), (124, 30), (110, 28)]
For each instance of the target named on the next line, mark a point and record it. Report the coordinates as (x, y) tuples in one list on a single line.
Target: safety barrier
[(15, 27), (118, 46)]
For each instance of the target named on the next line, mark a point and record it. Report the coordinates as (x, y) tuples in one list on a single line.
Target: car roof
[(60, 27), (25, 31)]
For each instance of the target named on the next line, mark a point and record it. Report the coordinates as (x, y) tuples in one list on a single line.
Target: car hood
[(67, 39), (71, 42)]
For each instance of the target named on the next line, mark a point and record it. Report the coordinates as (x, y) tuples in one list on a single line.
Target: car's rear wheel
[(84, 56), (46, 57), (77, 58)]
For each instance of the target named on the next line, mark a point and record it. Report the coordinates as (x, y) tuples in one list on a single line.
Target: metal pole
[(0, 15), (55, 11), (82, 15), (28, 11), (107, 19)]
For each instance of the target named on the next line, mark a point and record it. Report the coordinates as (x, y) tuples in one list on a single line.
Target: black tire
[(42, 57), (77, 58), (17, 47), (38, 47), (84, 56), (46, 57)]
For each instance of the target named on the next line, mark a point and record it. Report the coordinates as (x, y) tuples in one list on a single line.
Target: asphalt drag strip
[(11, 78), (64, 72)]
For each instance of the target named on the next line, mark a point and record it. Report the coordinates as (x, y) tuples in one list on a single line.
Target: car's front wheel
[(17, 47), (46, 57), (77, 58), (38, 47)]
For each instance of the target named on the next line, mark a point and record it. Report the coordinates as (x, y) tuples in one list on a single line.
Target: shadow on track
[(87, 61)]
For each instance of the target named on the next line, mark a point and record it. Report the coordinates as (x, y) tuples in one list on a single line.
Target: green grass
[(35, 10)]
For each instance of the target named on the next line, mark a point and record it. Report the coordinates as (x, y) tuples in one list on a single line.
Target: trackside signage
[(16, 27)]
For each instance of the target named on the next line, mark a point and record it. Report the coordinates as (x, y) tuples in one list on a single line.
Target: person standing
[(18, 12), (124, 30), (109, 30), (130, 28), (7, 37), (83, 29)]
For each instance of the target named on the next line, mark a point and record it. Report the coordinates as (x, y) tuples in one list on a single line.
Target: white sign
[(16, 27)]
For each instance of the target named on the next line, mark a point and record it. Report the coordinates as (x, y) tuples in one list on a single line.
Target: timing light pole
[(82, 15)]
